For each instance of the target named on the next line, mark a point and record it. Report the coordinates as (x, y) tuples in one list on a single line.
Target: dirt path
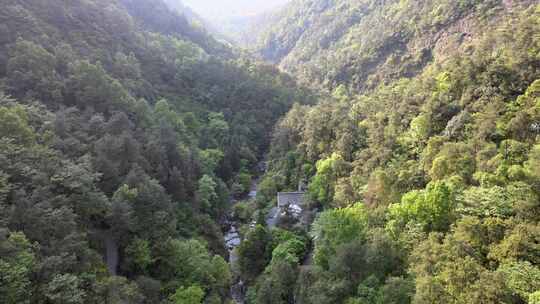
[(111, 252), (111, 256)]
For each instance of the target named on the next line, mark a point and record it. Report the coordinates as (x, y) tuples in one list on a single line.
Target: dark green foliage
[(129, 129), (274, 284), (126, 130), (118, 290), (274, 287), (254, 253), (32, 71)]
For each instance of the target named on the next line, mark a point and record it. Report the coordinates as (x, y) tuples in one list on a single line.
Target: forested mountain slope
[(179, 7), (361, 43), (123, 132), (428, 186)]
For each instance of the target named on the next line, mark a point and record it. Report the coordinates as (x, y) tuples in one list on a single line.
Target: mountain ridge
[(346, 42), (130, 136)]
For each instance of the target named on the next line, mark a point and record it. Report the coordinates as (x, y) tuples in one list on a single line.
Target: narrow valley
[(270, 152)]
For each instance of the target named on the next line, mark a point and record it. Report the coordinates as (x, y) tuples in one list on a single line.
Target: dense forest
[(364, 43), (124, 131), (130, 136), (423, 163)]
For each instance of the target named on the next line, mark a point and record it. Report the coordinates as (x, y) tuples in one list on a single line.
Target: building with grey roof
[(285, 199)]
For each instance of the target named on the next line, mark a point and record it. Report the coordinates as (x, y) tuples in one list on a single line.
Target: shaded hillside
[(124, 131), (363, 43), (427, 187), (160, 18)]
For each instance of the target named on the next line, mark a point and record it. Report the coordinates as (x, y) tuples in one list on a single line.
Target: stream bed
[(233, 240)]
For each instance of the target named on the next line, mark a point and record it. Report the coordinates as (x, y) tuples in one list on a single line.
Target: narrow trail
[(111, 255), (111, 252)]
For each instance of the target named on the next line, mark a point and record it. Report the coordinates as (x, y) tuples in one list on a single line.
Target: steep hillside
[(160, 18), (234, 21), (124, 131), (427, 187), (361, 44), (196, 20)]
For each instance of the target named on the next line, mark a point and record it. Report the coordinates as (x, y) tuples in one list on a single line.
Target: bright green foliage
[(190, 295), (321, 188), (139, 255), (14, 125), (522, 278), (515, 198), (432, 208), (290, 251), (274, 285), (436, 127), (288, 246), (222, 275), (206, 193), (534, 298), (211, 159), (451, 146), (17, 264), (335, 227), (417, 134)]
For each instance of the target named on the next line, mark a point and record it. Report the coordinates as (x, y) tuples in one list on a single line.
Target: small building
[(286, 199), (291, 203), (294, 206)]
